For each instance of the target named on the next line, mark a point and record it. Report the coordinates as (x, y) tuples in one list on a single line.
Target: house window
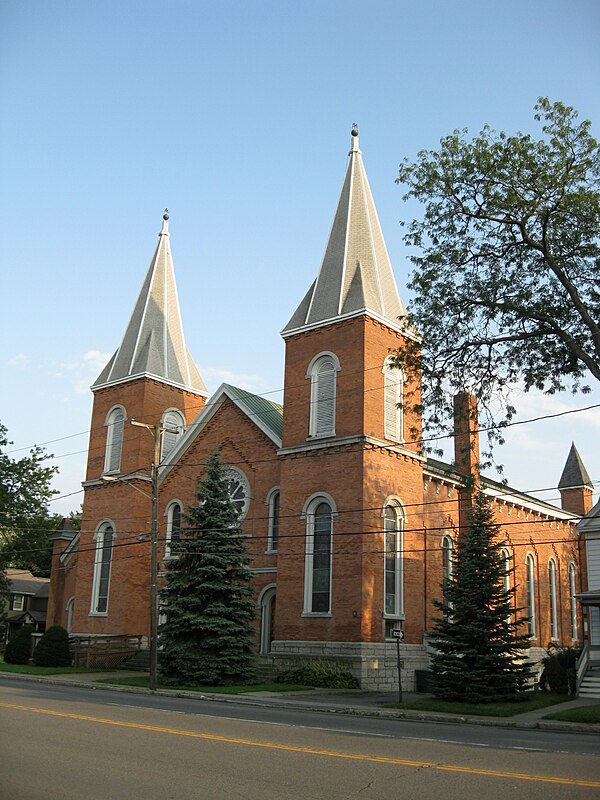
[(317, 581), (572, 591), (393, 561), (274, 503), (322, 373), (530, 586), (115, 423), (447, 551), (18, 603), (173, 527), (102, 565), (174, 424), (393, 397), (553, 604)]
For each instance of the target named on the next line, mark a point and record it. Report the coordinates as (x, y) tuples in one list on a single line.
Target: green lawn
[(31, 669), (236, 689), (508, 709), (581, 714)]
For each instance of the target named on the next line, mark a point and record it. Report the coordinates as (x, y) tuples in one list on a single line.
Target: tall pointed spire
[(154, 345), (574, 475), (356, 275)]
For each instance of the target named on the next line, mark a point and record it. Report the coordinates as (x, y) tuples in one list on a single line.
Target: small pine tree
[(208, 600), (52, 650), (18, 647), (478, 644)]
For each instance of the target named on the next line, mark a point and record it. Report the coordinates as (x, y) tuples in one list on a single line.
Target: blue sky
[(236, 116)]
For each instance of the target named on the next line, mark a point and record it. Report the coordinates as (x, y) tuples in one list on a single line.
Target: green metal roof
[(264, 411)]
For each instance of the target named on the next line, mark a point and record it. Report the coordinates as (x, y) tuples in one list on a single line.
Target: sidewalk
[(342, 701)]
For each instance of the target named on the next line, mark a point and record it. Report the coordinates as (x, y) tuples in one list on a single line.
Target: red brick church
[(350, 527)]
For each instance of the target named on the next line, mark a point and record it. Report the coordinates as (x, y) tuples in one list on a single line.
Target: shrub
[(52, 650), (18, 648), (324, 674), (560, 669)]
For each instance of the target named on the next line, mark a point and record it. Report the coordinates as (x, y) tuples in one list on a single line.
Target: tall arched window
[(273, 504), (102, 565), (173, 527), (317, 573), (572, 591), (506, 573), (530, 586), (393, 396), (322, 373), (174, 425), (393, 526), (553, 599), (447, 551), (115, 423)]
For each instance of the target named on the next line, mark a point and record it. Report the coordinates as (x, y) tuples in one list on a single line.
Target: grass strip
[(144, 682), (586, 714), (505, 709)]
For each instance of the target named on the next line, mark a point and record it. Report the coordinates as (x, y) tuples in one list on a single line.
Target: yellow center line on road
[(308, 750)]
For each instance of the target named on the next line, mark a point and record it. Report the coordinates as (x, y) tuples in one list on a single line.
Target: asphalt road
[(68, 743)]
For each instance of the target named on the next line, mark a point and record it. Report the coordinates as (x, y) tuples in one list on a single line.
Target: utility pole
[(156, 431)]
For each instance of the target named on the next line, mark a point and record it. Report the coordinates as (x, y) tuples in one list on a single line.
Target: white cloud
[(214, 377), (19, 360), (96, 360)]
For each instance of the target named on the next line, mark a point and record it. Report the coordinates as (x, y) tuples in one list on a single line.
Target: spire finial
[(354, 133), (165, 225)]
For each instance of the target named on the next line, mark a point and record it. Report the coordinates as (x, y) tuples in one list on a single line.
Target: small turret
[(575, 485)]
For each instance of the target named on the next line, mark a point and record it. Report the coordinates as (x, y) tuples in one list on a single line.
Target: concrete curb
[(300, 705)]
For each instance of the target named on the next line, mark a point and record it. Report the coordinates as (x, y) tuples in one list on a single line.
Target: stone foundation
[(374, 664)]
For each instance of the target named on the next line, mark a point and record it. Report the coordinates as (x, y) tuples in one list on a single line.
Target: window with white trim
[(239, 489), (553, 599), (393, 526), (393, 395), (274, 504), (102, 567), (572, 592), (173, 527), (18, 603), (506, 566), (447, 553), (317, 574), (174, 425), (323, 375), (115, 424), (530, 590)]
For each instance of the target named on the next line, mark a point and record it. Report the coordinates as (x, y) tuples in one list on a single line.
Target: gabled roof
[(574, 474), (265, 414), (154, 344), (591, 522), (21, 581), (356, 275)]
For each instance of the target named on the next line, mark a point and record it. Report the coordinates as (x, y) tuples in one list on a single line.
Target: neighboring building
[(350, 527), (28, 601)]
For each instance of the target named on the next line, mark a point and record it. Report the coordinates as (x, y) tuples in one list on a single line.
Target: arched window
[(393, 397), (173, 527), (530, 586), (322, 373), (553, 601), (506, 573), (239, 490), (69, 609), (115, 423), (393, 526), (317, 573), (174, 425), (102, 564), (572, 591), (273, 503), (447, 551)]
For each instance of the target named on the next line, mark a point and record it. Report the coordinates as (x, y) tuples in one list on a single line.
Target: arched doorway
[(267, 619)]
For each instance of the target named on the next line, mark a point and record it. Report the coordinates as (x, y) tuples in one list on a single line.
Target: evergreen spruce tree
[(208, 600), (479, 640)]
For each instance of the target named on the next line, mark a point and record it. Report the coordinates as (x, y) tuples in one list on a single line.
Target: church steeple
[(356, 275), (154, 345)]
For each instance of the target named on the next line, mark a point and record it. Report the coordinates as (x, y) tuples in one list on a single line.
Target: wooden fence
[(103, 651)]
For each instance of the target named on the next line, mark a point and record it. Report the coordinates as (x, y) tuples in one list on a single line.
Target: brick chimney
[(466, 451)]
